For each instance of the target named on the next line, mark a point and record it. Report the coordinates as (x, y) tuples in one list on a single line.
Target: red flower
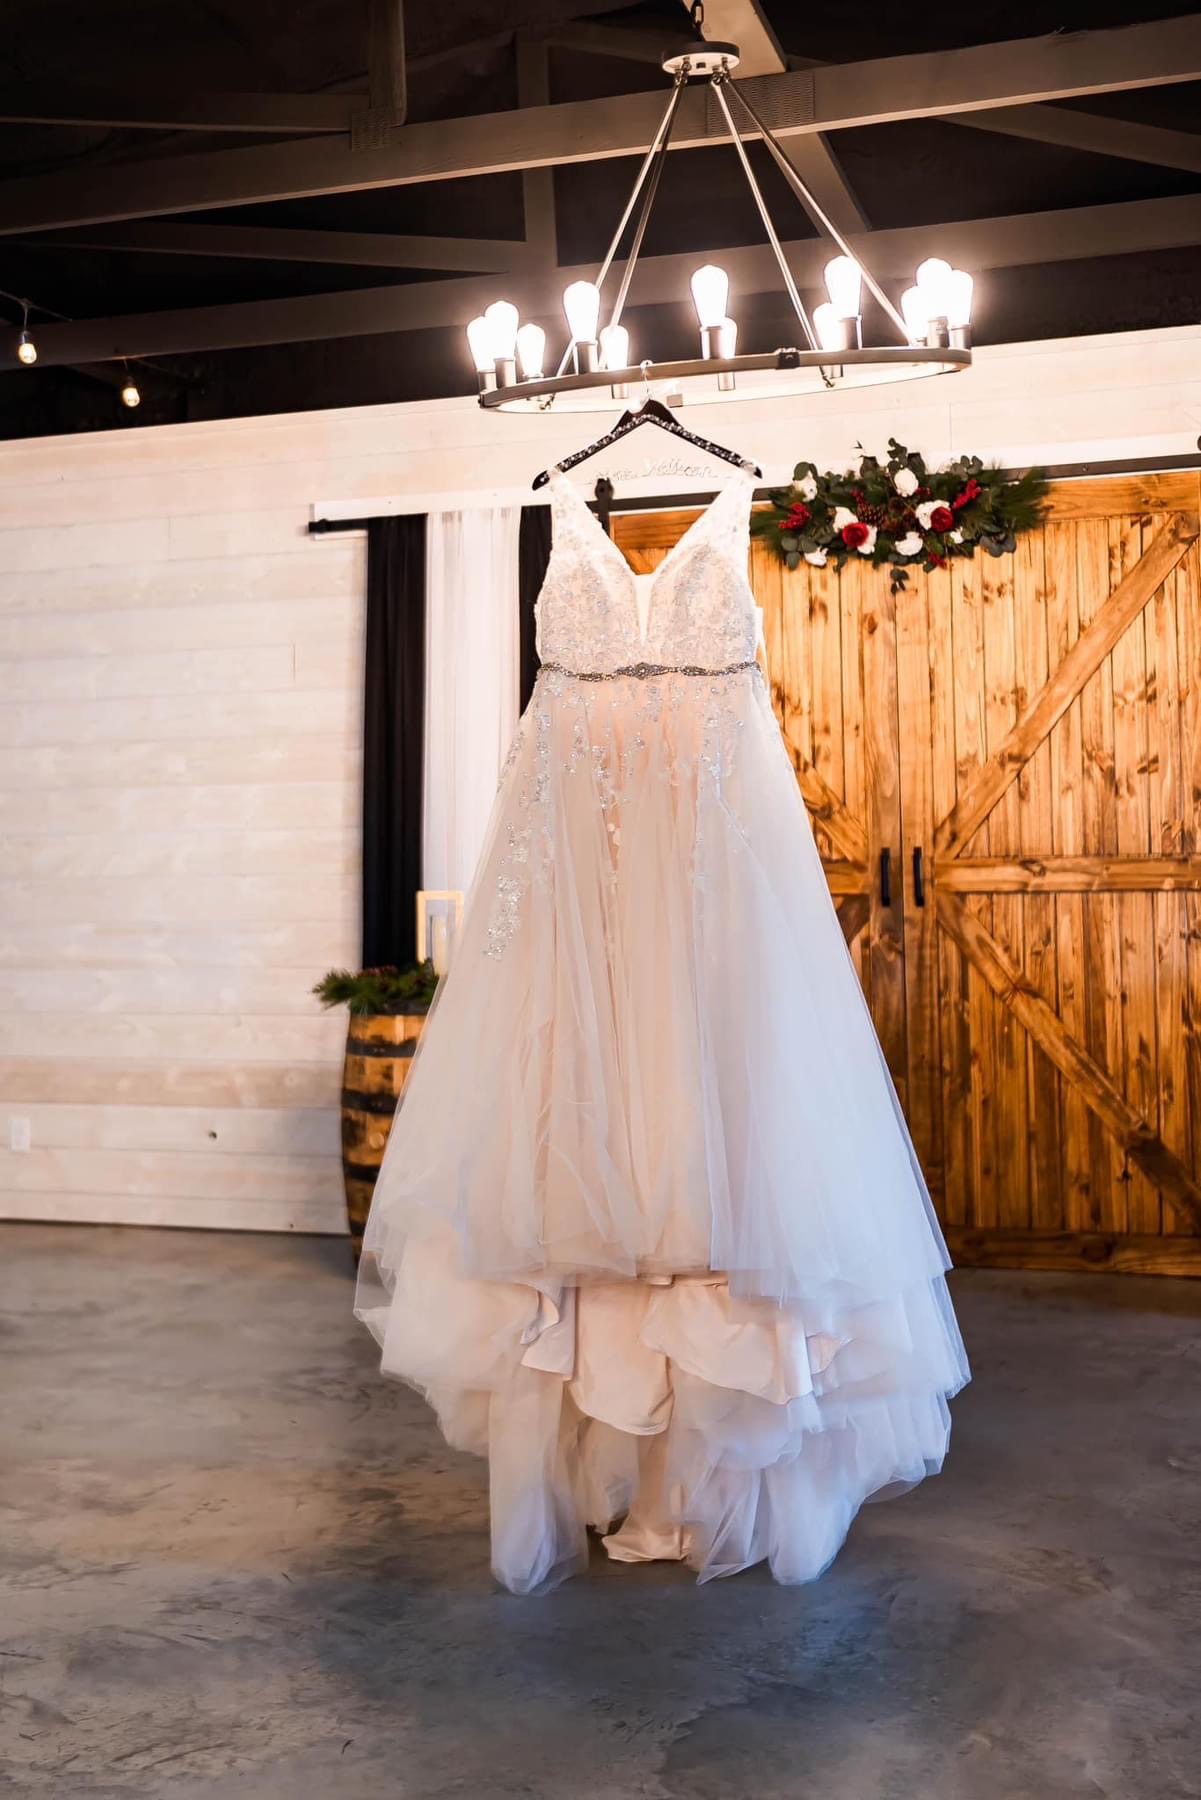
[(854, 534), (940, 562), (967, 494), (798, 517), (941, 519)]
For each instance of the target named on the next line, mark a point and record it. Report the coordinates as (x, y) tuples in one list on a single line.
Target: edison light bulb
[(501, 320), (615, 347), (933, 284), (27, 350), (581, 303), (729, 337), (827, 323), (130, 395), (710, 293), (531, 347), (916, 315), (844, 281), (959, 299), (479, 338)]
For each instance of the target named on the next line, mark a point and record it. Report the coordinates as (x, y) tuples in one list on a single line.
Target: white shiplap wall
[(180, 749)]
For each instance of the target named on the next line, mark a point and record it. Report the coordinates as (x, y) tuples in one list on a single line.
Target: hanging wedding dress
[(650, 1233)]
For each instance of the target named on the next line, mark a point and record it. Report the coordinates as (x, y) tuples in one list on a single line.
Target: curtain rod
[(1074, 471)]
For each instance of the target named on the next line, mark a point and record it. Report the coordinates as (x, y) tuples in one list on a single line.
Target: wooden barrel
[(379, 1055)]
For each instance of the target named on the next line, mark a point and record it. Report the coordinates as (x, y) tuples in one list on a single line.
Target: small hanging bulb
[(959, 299), (916, 315), (130, 394), (844, 284), (710, 295), (27, 350), (531, 349), (615, 347), (479, 339)]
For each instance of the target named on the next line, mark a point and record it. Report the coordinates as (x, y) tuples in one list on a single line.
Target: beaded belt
[(642, 671)]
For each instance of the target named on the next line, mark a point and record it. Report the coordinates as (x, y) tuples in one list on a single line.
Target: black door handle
[(885, 884), (919, 884)]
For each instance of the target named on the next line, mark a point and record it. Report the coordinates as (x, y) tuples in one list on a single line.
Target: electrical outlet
[(20, 1135)]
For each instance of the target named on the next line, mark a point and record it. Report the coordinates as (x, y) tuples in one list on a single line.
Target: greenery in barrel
[(383, 990), (899, 512)]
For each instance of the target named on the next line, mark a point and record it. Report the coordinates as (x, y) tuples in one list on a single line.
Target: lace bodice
[(699, 609)]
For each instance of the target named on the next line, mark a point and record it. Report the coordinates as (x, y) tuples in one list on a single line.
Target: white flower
[(925, 510), (910, 544), (905, 481), (806, 489), (844, 516), (816, 557), (869, 542), (954, 537)]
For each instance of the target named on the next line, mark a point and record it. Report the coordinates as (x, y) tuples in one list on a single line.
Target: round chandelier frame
[(595, 368)]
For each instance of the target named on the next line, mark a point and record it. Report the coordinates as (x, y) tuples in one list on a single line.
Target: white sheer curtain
[(471, 681)]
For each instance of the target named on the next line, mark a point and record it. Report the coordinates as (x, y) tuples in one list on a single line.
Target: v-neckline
[(641, 631)]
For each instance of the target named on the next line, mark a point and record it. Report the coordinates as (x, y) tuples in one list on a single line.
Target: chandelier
[(596, 368)]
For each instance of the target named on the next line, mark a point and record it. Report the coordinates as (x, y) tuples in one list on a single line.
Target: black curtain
[(533, 552), (393, 738)]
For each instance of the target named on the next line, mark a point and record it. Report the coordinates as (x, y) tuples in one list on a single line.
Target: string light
[(130, 393), (27, 350)]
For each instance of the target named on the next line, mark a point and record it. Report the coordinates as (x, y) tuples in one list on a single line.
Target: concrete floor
[(236, 1563)]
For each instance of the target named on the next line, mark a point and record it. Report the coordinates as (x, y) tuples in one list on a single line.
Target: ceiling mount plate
[(701, 61)]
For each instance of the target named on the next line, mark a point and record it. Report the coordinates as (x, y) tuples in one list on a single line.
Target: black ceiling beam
[(796, 102)]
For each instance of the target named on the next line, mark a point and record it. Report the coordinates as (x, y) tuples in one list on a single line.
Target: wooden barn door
[(1003, 767), (1054, 783)]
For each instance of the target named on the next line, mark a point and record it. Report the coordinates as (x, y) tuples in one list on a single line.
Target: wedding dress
[(649, 1231)]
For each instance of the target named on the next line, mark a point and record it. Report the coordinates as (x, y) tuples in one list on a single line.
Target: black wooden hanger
[(651, 412)]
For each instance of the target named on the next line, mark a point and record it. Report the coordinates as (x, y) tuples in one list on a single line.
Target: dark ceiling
[(462, 60)]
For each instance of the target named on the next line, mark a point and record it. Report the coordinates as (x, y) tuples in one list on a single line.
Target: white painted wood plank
[(248, 669), (148, 856), (65, 1078), (175, 1037), (62, 812), (241, 534), (62, 547), (212, 1131), (277, 761), (230, 946), (323, 1215), (134, 632), (180, 717), (212, 991), (241, 899), (326, 568), (166, 1174)]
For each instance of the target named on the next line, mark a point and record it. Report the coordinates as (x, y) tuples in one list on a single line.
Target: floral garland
[(899, 512)]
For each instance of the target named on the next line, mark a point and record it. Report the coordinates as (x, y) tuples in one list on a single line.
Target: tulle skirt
[(649, 1232)]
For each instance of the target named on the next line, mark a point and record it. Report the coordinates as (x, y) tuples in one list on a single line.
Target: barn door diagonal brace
[(1014, 989), (1082, 661)]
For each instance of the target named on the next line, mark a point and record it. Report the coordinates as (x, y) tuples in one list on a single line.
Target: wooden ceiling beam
[(277, 114), (797, 102), (278, 243), (1014, 241), (1075, 130)]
